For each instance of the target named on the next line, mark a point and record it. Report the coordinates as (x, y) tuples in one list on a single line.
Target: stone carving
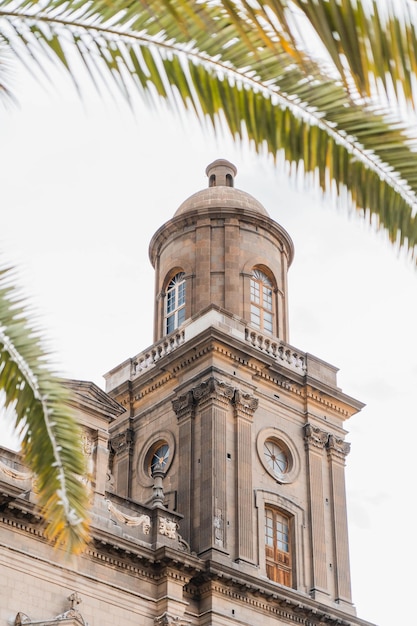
[(87, 448), (183, 404), (244, 402), (14, 474), (167, 619), (218, 528), (340, 447), (315, 437), (215, 387), (318, 438), (73, 613), (130, 520), (167, 527), (121, 442), (87, 444)]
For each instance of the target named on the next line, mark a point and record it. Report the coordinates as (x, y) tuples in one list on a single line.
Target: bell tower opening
[(221, 173)]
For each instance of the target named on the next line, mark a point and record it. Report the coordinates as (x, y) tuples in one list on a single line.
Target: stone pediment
[(87, 396)]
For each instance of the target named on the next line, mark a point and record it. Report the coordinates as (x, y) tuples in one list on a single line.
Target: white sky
[(82, 192)]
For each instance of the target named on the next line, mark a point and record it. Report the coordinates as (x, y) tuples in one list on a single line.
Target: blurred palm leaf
[(50, 437)]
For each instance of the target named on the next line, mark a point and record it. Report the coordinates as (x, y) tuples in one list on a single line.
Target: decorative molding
[(244, 402), (291, 611), (14, 474), (130, 520), (167, 527)]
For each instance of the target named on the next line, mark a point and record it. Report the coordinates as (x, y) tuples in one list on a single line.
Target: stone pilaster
[(337, 451), (245, 406), (316, 441), (213, 397), (184, 409), (121, 449)]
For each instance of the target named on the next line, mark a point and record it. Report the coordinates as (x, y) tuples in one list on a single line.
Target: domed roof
[(221, 194)]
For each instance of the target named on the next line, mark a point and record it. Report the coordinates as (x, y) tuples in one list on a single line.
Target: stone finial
[(221, 173)]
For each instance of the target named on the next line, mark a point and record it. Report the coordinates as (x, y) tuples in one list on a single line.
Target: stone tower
[(244, 433), (216, 456)]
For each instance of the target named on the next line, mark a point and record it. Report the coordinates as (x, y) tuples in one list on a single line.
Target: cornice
[(121, 551), (264, 596), (210, 342)]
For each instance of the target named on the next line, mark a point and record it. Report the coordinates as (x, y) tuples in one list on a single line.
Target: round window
[(159, 458), (276, 456)]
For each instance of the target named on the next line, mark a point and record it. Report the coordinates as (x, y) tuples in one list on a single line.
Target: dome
[(221, 193)]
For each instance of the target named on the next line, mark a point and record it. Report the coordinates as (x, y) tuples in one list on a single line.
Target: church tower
[(231, 429), (216, 457)]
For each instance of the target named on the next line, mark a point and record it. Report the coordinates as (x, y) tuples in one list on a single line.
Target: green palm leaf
[(51, 438), (220, 68)]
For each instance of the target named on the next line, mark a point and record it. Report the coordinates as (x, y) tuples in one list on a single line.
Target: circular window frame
[(281, 439), (145, 457)]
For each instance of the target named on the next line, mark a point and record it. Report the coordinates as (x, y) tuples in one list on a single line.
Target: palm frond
[(371, 44), (238, 63), (51, 438)]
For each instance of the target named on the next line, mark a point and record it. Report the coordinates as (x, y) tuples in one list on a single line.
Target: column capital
[(245, 404), (337, 447), (183, 405), (213, 389), (315, 437), (121, 442)]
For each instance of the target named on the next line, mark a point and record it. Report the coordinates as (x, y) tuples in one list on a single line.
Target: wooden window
[(278, 547), (261, 309), (175, 303)]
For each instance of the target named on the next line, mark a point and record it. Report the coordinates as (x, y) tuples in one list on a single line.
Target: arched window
[(261, 309), (278, 550), (175, 303)]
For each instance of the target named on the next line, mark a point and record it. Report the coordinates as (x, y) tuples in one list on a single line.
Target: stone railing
[(148, 358), (236, 328), (282, 352)]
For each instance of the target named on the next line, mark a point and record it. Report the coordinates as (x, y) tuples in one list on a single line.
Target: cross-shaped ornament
[(74, 599)]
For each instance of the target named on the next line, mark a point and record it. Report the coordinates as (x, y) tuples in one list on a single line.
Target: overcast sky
[(84, 188)]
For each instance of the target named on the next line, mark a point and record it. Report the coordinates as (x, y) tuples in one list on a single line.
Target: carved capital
[(338, 447), (315, 437), (245, 403), (183, 405), (122, 442), (213, 389)]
